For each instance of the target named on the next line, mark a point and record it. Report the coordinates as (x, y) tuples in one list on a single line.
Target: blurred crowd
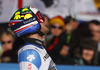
[(69, 42)]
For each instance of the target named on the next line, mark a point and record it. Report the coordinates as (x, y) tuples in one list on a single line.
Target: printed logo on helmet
[(22, 14)]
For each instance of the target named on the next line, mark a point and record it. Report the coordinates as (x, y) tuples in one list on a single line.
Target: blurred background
[(74, 36)]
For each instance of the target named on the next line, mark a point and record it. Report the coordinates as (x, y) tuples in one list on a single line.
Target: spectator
[(7, 41), (80, 33), (55, 44), (71, 24), (94, 26), (88, 52)]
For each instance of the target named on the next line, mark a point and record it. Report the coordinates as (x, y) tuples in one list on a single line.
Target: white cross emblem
[(31, 57)]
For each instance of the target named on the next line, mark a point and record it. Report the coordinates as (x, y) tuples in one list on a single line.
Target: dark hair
[(88, 43), (96, 22), (7, 33), (67, 19)]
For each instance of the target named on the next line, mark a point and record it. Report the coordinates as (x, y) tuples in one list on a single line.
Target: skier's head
[(28, 20)]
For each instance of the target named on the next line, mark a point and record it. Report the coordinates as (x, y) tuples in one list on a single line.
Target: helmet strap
[(41, 33)]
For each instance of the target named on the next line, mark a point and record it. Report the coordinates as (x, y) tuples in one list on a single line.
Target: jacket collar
[(34, 41)]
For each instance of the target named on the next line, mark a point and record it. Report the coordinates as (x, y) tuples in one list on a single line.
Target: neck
[(36, 36)]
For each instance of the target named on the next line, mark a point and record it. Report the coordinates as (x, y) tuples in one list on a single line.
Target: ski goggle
[(53, 26), (40, 17)]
